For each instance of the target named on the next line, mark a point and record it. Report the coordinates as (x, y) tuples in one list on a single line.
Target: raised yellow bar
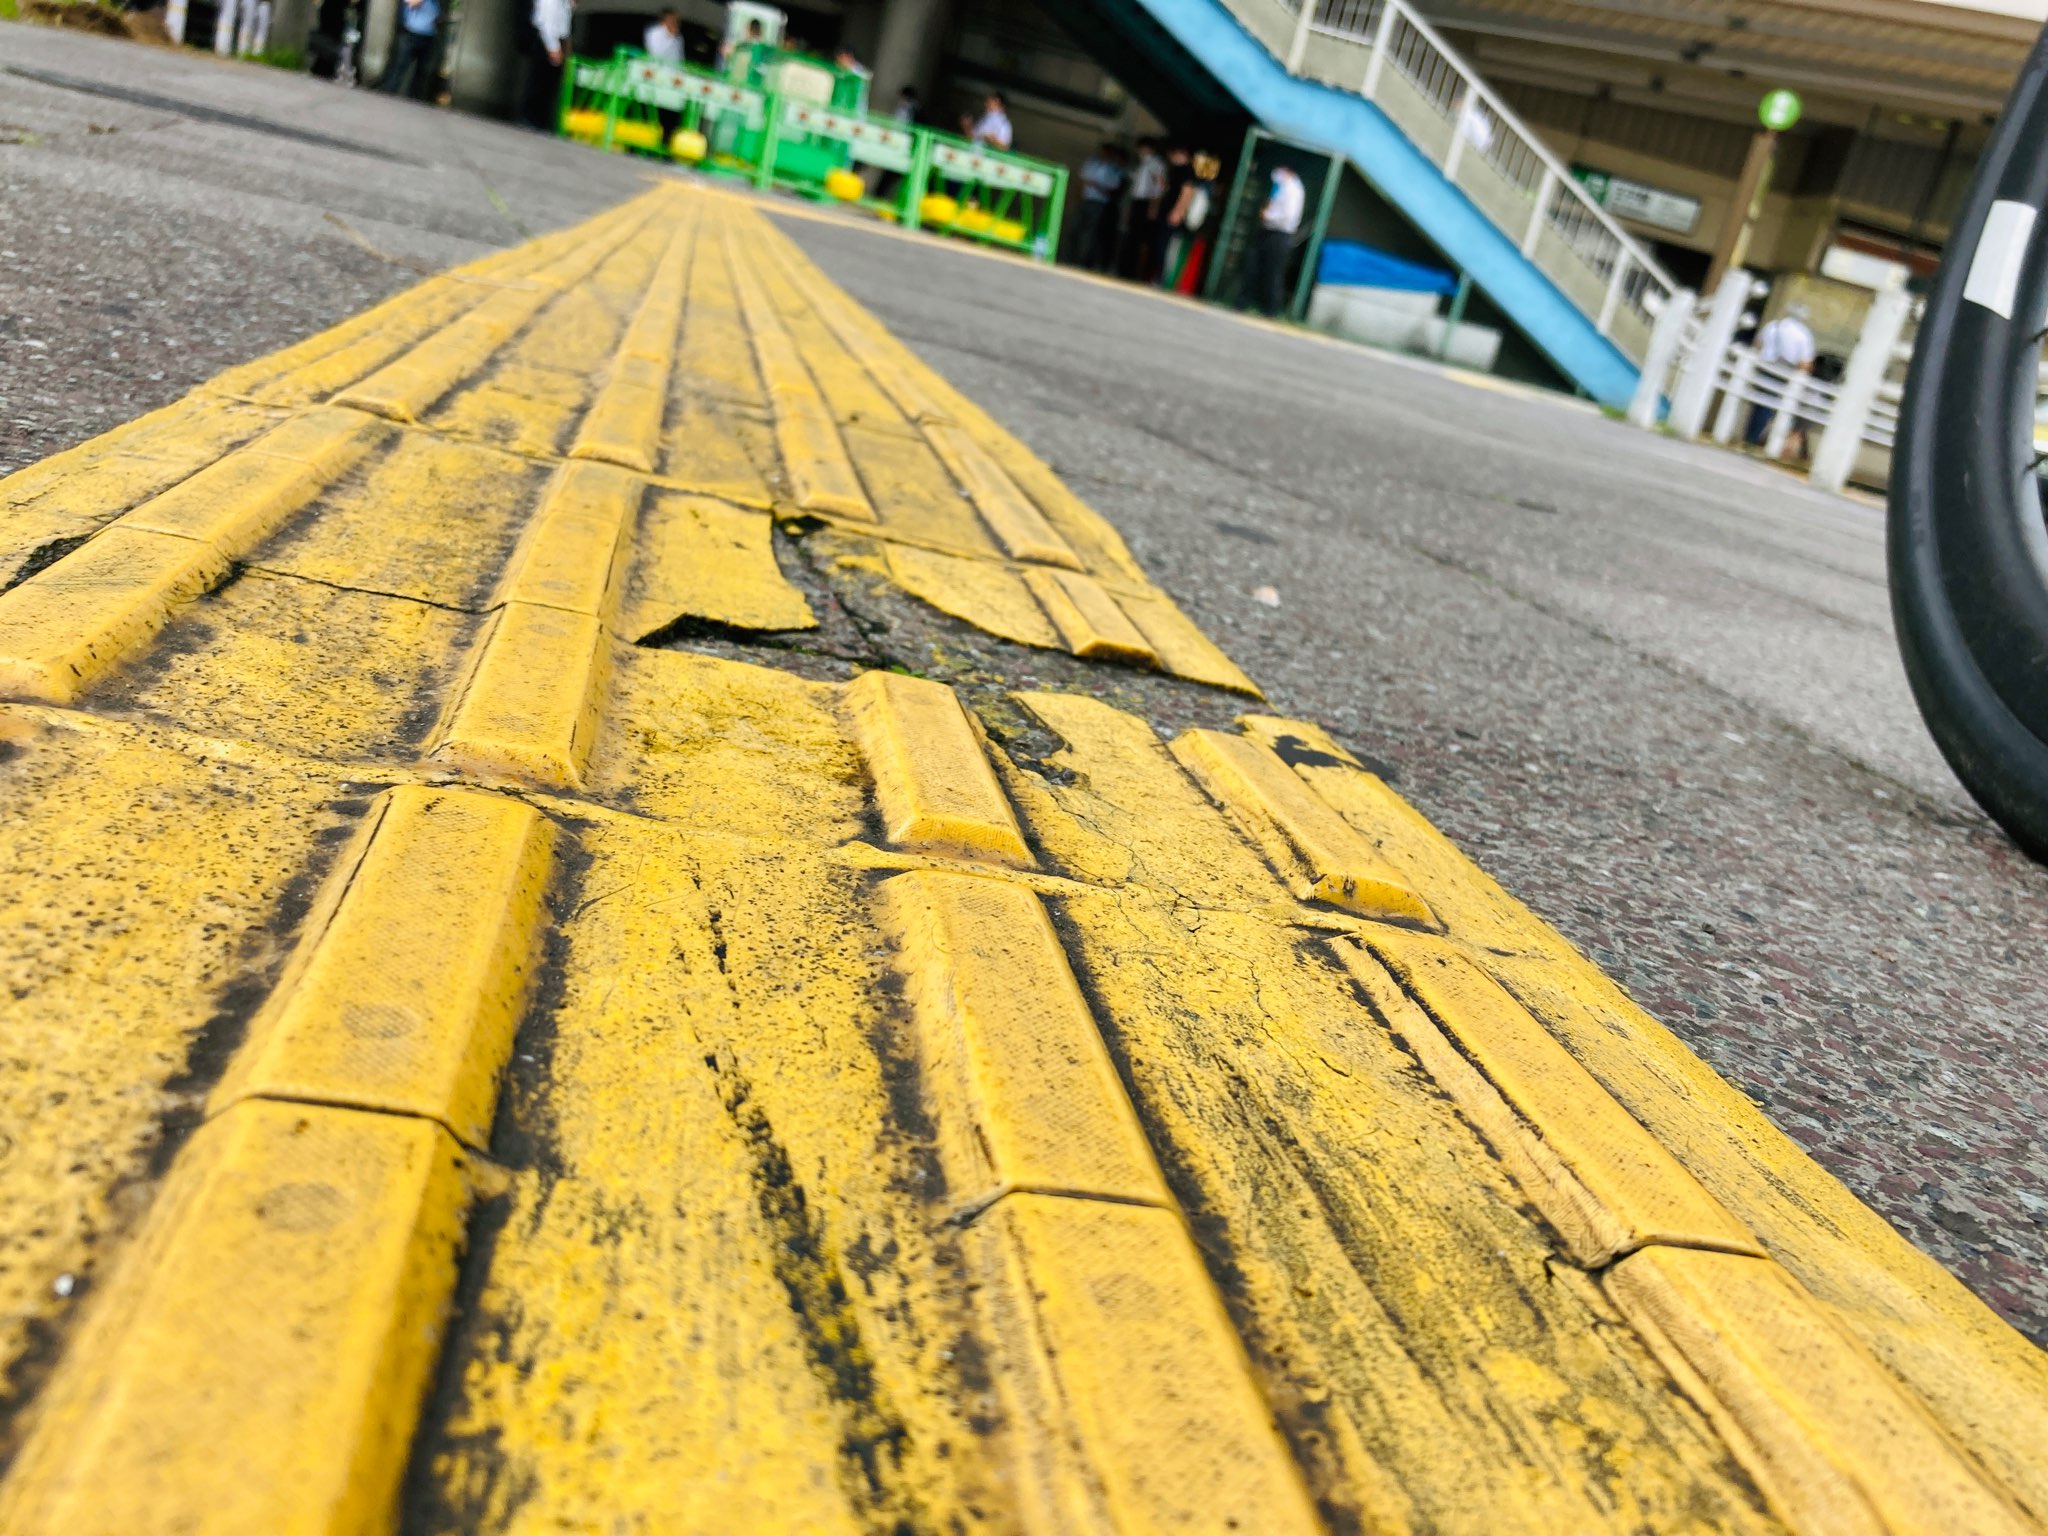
[(69, 623), (259, 1357), (1827, 1433), (935, 787), (405, 388), (404, 992), (1087, 617), (1332, 862), (1130, 1405), (570, 554), (1024, 1095), (624, 422), (821, 476), (528, 708), (1016, 523), (235, 501), (1598, 1176)]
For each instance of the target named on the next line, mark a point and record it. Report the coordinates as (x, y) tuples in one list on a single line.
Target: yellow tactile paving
[(624, 424), (1331, 862), (465, 1057), (1597, 1176), (933, 784), (405, 989), (1025, 1096), (258, 1359), (1826, 1433)]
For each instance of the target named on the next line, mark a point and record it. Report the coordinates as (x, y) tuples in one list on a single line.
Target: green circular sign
[(1780, 110)]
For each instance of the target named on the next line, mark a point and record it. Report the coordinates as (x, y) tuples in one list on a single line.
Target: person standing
[(664, 38), (1102, 182), (1787, 343), (1179, 176), (1187, 246), (412, 53), (736, 58), (1263, 284), (547, 46), (992, 128), (663, 42), (1148, 191)]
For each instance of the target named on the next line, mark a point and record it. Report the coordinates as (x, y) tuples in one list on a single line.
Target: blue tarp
[(1352, 265)]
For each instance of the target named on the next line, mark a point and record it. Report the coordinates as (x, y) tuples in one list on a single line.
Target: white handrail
[(1465, 72), (1630, 254)]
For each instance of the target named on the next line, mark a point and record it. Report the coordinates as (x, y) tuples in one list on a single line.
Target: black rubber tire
[(1967, 545)]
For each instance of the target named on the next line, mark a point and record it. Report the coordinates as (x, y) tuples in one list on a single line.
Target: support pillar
[(1861, 379), (1667, 340), (485, 63), (907, 51), (860, 28), (1701, 376), (291, 24), (380, 21), (1732, 249)]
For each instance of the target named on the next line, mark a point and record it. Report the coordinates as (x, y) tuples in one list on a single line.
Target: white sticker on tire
[(2001, 253)]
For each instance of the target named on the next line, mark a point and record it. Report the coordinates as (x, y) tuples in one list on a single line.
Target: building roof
[(1904, 55)]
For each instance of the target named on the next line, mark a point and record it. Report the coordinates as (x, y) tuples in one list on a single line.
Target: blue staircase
[(1371, 81)]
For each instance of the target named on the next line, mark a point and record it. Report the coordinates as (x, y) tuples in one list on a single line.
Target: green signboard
[(1780, 110)]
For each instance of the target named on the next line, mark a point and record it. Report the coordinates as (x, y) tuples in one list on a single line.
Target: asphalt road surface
[(1650, 687)]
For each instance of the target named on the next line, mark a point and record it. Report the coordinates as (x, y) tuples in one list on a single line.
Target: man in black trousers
[(1263, 284)]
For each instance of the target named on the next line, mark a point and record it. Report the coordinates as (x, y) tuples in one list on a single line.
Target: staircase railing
[(1384, 51)]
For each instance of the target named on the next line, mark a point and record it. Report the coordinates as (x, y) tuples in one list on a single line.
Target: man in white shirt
[(664, 42), (547, 47), (993, 126), (665, 38), (1141, 212), (1787, 342), (1264, 281)]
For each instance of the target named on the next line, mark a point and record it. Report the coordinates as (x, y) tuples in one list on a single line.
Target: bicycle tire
[(1966, 541)]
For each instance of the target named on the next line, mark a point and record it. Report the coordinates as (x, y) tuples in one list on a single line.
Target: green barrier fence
[(988, 195), (619, 103), (808, 143), (727, 124)]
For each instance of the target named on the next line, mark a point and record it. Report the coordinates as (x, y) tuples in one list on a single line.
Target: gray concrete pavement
[(1651, 687), (144, 248)]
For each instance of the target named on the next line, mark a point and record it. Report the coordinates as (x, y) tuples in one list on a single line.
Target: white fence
[(1384, 51), (1715, 383)]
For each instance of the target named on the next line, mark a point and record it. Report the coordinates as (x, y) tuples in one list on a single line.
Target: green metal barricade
[(589, 91), (988, 195), (728, 124), (808, 144), (719, 122)]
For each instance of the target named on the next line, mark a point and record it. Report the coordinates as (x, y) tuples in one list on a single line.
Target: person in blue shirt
[(412, 51)]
